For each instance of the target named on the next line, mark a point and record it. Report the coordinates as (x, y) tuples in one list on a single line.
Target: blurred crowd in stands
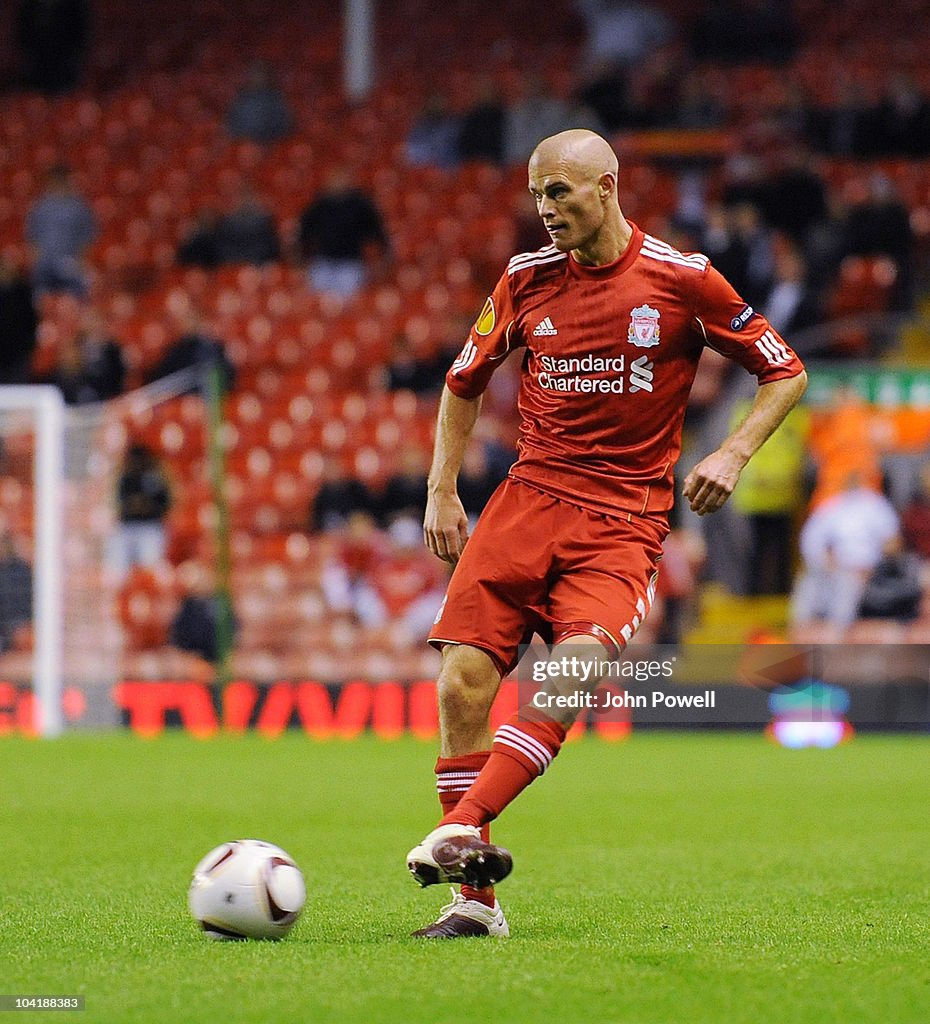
[(767, 192), (864, 551)]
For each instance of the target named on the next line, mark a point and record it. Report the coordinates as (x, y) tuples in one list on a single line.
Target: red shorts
[(539, 564)]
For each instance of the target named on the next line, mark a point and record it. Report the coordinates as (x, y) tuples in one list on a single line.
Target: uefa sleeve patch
[(487, 319), (740, 321)]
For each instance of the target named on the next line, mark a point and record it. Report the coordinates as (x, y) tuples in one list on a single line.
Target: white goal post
[(44, 404), (59, 472)]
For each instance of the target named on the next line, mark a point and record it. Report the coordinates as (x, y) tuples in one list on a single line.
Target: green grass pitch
[(675, 879)]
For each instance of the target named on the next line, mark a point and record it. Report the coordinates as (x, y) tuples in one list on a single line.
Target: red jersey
[(610, 357)]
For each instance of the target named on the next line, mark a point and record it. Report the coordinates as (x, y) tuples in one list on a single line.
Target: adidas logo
[(544, 328)]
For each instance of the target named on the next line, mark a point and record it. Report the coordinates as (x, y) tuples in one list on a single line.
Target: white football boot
[(462, 919), (457, 853)]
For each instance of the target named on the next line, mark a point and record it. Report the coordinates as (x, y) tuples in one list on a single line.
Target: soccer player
[(612, 323)]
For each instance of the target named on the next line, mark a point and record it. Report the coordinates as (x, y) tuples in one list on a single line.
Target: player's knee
[(581, 635), (468, 679), (585, 651)]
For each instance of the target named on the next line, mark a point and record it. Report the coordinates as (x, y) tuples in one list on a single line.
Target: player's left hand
[(711, 482)]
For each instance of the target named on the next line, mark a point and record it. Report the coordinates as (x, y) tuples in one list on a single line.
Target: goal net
[(63, 635)]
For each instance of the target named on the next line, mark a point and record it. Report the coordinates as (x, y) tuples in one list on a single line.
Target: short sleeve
[(736, 330), (489, 341)]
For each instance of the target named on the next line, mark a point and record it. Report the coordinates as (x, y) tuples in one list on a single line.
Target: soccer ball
[(246, 889)]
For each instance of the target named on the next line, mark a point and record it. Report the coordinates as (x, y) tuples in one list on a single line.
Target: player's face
[(570, 207)]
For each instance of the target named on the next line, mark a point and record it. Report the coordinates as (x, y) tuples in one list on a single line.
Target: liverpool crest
[(644, 327)]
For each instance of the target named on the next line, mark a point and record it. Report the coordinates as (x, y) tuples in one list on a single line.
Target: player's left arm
[(735, 330), (712, 480)]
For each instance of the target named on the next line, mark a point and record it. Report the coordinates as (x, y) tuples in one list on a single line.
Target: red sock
[(523, 749), (454, 777)]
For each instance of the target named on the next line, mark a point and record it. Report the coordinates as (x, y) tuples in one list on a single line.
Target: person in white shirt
[(841, 543)]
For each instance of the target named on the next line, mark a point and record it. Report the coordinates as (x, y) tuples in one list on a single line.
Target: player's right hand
[(445, 526)]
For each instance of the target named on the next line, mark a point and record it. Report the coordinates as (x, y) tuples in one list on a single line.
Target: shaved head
[(581, 151), (573, 178)]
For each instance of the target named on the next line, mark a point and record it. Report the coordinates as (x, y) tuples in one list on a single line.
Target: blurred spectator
[(744, 32), (605, 91), (746, 177), (791, 304), (409, 369), (433, 137), (408, 584), (847, 128), (499, 425), (700, 105), (500, 445), (915, 517), (683, 554), (143, 499), (18, 323), (881, 224), (622, 31), (793, 113), (197, 625), (259, 110), (477, 481), (201, 246), (842, 542), (350, 563), (770, 493), (845, 440), (386, 579), (795, 198), (741, 246), (537, 114), (707, 392), (825, 245), (52, 35), (90, 366), (247, 234), (903, 119), (15, 593), (340, 496), (481, 132), (893, 590), (723, 245), (755, 235), (653, 91), (405, 490), (337, 231), (59, 227), (194, 349)]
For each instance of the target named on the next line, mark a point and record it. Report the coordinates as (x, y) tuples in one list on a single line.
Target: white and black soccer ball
[(247, 889)]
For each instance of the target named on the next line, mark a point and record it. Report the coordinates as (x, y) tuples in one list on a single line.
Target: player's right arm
[(735, 330), (445, 526)]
